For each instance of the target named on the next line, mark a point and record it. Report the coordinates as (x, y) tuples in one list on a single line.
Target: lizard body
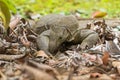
[(56, 29)]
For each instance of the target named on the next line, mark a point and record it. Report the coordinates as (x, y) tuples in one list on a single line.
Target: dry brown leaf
[(95, 75), (115, 63), (52, 62), (84, 70), (17, 72), (112, 48), (25, 42), (99, 60), (105, 58), (118, 69), (14, 23), (85, 77), (113, 76), (89, 56), (3, 76), (41, 53), (38, 74), (103, 77), (45, 68)]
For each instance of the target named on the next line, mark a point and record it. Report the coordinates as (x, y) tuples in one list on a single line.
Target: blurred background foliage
[(84, 7)]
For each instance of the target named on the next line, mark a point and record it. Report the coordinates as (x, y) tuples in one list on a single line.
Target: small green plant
[(5, 7)]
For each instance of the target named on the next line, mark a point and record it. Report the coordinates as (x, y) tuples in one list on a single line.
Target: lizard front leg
[(43, 41)]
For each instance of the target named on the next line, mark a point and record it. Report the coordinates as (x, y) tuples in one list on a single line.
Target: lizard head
[(59, 35)]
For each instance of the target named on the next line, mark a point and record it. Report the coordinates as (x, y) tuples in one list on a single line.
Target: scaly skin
[(56, 29)]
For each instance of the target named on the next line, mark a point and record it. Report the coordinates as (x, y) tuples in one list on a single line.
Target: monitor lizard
[(55, 29)]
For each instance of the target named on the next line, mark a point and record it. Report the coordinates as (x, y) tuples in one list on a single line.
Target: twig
[(11, 57)]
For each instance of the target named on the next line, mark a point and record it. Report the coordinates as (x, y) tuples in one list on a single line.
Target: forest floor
[(20, 58)]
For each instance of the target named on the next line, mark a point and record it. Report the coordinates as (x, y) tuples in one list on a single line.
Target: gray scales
[(55, 29)]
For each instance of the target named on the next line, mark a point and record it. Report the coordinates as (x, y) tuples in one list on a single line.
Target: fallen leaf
[(104, 77), (95, 75), (113, 49), (3, 77), (99, 14), (116, 64), (52, 62), (89, 57), (17, 72), (113, 76), (99, 60), (38, 74), (41, 53), (25, 42), (45, 68), (84, 70), (118, 69), (14, 23), (105, 58)]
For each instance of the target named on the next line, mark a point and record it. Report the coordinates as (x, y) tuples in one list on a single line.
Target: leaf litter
[(20, 58)]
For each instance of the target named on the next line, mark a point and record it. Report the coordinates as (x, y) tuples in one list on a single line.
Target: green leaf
[(10, 5), (5, 13), (5, 7)]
